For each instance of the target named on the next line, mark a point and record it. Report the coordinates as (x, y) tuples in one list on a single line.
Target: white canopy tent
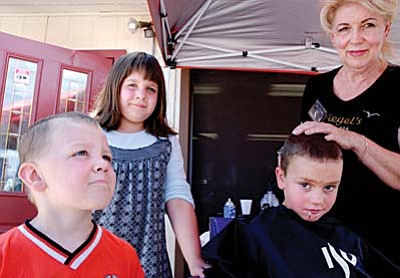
[(250, 34)]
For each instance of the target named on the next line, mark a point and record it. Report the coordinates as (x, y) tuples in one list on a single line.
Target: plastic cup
[(245, 205)]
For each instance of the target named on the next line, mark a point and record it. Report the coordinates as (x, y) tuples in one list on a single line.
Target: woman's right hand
[(348, 140)]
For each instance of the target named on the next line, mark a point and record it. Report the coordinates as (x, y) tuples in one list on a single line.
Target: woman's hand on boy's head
[(308, 127), (347, 140), (332, 132)]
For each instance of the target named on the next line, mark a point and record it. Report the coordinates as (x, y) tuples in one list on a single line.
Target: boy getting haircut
[(298, 239)]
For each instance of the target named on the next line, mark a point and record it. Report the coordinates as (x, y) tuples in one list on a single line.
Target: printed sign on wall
[(21, 76)]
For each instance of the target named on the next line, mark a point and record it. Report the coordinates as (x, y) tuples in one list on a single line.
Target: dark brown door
[(37, 80)]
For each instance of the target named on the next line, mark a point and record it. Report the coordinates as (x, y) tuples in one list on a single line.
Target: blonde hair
[(34, 141), (385, 8)]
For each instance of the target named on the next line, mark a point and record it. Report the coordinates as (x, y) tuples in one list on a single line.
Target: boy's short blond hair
[(36, 139)]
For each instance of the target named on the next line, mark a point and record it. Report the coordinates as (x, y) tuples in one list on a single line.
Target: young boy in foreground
[(296, 239), (65, 164)]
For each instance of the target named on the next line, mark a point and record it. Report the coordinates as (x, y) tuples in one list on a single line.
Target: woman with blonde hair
[(356, 106)]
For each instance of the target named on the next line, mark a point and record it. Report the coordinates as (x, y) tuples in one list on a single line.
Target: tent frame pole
[(254, 54)]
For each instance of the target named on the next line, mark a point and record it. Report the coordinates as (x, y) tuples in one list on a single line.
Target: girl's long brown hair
[(107, 110)]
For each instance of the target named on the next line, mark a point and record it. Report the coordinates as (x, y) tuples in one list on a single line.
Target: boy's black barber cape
[(279, 244)]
